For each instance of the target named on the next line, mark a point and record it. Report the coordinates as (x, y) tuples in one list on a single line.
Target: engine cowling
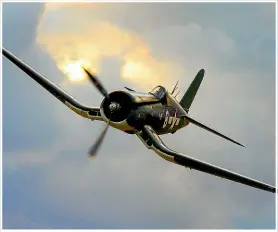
[(122, 105), (117, 107)]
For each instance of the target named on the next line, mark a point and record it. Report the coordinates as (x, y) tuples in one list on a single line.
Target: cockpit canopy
[(159, 92)]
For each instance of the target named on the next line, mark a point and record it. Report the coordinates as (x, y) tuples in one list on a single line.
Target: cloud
[(89, 41)]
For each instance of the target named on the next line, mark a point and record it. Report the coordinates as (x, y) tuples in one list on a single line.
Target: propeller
[(94, 148), (113, 107), (96, 82)]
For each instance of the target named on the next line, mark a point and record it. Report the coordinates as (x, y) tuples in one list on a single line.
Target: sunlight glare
[(75, 71)]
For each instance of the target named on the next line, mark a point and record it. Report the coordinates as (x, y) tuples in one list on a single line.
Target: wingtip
[(238, 143), (243, 145)]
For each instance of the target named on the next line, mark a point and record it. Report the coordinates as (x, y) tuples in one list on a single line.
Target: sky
[(48, 181)]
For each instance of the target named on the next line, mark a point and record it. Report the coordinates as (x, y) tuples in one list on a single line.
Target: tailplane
[(201, 125), (189, 96)]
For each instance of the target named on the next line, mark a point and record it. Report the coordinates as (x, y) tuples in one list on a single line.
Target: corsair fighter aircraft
[(146, 115)]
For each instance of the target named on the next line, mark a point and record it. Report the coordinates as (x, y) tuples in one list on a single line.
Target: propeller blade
[(96, 82), (94, 148)]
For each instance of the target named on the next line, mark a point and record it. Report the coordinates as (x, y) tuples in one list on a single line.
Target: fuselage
[(163, 113)]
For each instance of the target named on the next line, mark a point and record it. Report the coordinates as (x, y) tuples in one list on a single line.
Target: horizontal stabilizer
[(191, 120), (129, 89)]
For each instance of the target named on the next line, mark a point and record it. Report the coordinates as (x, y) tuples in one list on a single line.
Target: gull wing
[(92, 113), (153, 141)]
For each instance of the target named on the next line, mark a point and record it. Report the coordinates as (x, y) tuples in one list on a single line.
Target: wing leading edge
[(152, 141), (92, 113)]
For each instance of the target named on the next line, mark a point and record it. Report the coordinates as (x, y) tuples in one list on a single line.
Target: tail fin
[(189, 96)]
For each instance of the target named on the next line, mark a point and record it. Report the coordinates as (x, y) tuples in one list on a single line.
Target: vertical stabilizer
[(189, 96)]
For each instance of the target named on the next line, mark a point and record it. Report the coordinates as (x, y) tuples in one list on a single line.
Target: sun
[(75, 71)]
